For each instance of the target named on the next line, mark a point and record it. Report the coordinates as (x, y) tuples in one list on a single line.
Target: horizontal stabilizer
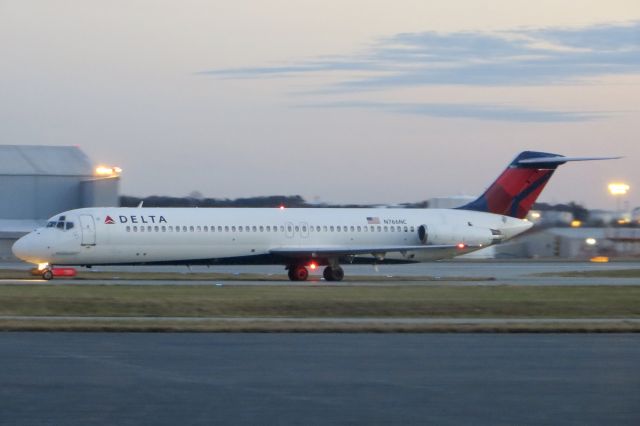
[(559, 159)]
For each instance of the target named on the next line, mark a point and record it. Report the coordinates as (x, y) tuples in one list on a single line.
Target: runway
[(449, 272), (368, 379)]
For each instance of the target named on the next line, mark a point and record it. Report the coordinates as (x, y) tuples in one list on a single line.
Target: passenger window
[(254, 228), (379, 228), (352, 228), (199, 228), (324, 228), (304, 229), (142, 229), (149, 228), (164, 229), (177, 229), (386, 229), (318, 228), (281, 228), (170, 228), (184, 228), (205, 228), (331, 228), (191, 229), (297, 228), (366, 228), (261, 228), (156, 228), (128, 228), (406, 229), (412, 229), (359, 229), (226, 229), (233, 229), (135, 229), (289, 228), (219, 228)]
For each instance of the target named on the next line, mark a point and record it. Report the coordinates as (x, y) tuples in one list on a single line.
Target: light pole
[(618, 190)]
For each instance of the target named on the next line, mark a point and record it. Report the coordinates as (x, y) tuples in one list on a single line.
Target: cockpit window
[(61, 223)]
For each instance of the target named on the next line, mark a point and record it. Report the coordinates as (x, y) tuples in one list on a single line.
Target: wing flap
[(318, 252)]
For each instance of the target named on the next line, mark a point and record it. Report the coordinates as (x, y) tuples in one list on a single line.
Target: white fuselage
[(103, 236)]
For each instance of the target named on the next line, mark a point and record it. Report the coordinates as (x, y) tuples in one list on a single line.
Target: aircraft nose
[(25, 249), (21, 247)]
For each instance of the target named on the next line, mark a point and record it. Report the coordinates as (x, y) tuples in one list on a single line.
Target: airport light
[(618, 188), (591, 241), (576, 223), (108, 171)]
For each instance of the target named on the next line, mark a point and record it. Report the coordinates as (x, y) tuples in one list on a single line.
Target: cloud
[(519, 57), (472, 111), (523, 57)]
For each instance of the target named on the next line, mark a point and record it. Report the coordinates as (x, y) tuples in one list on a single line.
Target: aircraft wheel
[(327, 274), (47, 274), (333, 273), (298, 273), (338, 273)]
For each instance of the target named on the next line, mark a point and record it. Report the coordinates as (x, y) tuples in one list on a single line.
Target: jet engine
[(448, 234)]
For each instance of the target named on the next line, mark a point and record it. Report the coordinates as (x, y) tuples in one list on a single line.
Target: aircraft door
[(88, 226)]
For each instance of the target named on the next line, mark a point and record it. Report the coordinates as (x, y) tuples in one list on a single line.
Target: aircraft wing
[(334, 251)]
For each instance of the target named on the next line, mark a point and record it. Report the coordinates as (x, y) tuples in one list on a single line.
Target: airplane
[(298, 238)]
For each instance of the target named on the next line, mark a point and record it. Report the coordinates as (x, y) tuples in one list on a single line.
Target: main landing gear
[(333, 273), (301, 273)]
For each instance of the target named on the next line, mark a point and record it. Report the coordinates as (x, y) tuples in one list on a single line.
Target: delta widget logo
[(109, 220)]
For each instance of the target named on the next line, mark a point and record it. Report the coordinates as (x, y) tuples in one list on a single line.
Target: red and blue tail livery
[(515, 191)]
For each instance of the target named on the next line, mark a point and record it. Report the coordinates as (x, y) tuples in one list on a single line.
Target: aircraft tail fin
[(517, 188)]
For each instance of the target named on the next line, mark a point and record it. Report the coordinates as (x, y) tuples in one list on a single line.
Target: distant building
[(36, 182), (450, 202)]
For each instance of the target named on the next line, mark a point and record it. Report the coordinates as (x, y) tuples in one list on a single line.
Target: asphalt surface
[(319, 379), (452, 273)]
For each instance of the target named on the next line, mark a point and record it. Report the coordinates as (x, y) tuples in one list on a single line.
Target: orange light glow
[(108, 171), (313, 266), (576, 224), (281, 207), (461, 245)]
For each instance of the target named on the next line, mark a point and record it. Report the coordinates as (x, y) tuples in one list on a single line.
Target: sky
[(360, 101)]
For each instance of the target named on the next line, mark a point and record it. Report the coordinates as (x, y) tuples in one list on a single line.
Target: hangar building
[(36, 182)]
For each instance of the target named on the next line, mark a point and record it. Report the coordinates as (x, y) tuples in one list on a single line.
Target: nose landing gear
[(47, 274)]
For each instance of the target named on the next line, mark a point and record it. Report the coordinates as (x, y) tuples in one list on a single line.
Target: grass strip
[(322, 301), (310, 327)]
